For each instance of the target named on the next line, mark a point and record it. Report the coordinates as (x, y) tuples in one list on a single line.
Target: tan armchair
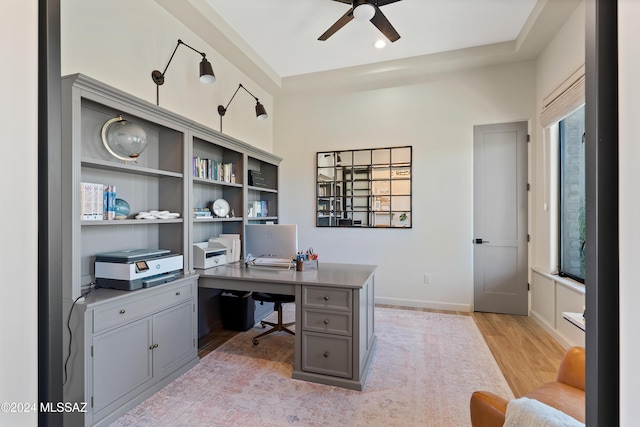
[(565, 394)]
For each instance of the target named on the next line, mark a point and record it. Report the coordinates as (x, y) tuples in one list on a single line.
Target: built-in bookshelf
[(262, 196), (184, 168)]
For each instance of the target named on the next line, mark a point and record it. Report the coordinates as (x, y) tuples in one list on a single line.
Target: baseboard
[(432, 305), (560, 339)]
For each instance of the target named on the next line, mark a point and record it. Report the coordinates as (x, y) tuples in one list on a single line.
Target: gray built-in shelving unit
[(126, 345)]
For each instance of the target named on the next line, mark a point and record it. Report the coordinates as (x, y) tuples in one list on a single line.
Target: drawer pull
[(326, 321), (122, 311), (326, 298), (326, 354), (178, 293), (153, 346)]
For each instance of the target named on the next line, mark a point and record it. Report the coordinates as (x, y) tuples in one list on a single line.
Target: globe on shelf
[(124, 140), (122, 208)]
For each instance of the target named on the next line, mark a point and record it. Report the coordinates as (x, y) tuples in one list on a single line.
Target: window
[(571, 229)]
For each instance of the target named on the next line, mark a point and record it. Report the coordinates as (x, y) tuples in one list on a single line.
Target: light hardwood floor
[(527, 356)]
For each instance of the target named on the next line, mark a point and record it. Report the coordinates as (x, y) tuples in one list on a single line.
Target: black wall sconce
[(261, 113), (206, 70)]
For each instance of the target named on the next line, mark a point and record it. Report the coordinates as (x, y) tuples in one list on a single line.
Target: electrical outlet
[(427, 279)]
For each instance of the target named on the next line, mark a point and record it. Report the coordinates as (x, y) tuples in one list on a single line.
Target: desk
[(335, 335)]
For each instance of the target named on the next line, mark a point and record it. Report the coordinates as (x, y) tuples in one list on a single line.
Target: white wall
[(629, 92), (559, 60), (120, 42), (18, 214), (435, 116)]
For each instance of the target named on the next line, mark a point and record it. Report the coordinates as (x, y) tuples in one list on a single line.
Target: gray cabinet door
[(327, 354), (173, 337), (121, 361)]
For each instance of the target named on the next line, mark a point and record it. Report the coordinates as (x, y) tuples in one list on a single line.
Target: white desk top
[(576, 318), (328, 274)]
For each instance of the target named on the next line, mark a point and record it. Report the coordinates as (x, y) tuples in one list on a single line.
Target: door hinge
[(92, 401), (91, 351), (528, 138), (528, 187), (528, 238), (194, 342), (528, 286)]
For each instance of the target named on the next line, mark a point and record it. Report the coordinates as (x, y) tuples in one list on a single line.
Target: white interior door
[(500, 218)]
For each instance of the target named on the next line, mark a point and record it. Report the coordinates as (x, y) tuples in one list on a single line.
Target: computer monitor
[(271, 240)]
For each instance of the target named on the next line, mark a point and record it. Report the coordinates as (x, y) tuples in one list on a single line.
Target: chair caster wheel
[(255, 342), (263, 325)]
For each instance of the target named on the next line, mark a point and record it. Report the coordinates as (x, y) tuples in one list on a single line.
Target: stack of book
[(256, 179), (201, 213), (97, 201)]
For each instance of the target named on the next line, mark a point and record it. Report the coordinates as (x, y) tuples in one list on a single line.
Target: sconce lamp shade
[(261, 113), (206, 72), (124, 140)]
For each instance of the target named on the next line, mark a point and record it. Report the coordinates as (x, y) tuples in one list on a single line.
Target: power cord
[(69, 327)]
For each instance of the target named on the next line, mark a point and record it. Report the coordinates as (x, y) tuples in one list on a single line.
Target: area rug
[(425, 367)]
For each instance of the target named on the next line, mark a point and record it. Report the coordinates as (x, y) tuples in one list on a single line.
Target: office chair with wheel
[(278, 300)]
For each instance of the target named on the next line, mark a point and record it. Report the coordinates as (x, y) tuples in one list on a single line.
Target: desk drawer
[(327, 354), (328, 298), (140, 305), (327, 321)]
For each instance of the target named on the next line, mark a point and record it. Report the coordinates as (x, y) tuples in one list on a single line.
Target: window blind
[(567, 98)]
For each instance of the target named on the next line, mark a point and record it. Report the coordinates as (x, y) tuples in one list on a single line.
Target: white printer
[(137, 268), (209, 254)]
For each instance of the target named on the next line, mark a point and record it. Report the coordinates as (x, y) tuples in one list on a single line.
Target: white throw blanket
[(526, 412)]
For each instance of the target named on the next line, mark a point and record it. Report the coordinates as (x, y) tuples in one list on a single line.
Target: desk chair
[(278, 300)]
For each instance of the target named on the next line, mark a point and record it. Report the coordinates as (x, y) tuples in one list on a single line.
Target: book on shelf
[(91, 201), (202, 213), (213, 170), (260, 208), (97, 201), (256, 179), (109, 201)]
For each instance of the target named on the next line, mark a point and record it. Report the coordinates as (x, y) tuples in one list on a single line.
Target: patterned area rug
[(425, 367)]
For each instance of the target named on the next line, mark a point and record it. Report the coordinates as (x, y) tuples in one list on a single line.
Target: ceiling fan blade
[(383, 24), (382, 2), (339, 24), (350, 1)]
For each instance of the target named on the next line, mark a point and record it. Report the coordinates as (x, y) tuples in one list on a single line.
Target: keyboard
[(272, 262)]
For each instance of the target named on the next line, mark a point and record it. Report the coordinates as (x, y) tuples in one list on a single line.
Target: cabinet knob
[(326, 298), (326, 354), (326, 321), (153, 346), (122, 311), (178, 293)]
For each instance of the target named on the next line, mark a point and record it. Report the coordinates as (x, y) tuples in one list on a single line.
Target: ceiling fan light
[(364, 12)]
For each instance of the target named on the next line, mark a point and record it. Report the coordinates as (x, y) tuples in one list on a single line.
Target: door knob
[(480, 241)]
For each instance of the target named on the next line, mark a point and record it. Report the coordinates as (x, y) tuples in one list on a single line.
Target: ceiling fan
[(365, 10)]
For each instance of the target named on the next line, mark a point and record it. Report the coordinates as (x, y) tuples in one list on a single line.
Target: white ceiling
[(284, 33), (275, 42)]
